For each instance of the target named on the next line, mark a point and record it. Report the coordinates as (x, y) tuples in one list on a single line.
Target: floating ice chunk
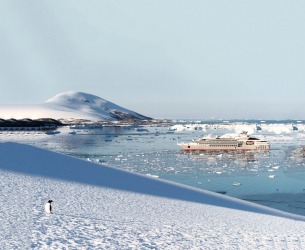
[(218, 172), (152, 175), (276, 167), (278, 128), (236, 184), (272, 176), (178, 127)]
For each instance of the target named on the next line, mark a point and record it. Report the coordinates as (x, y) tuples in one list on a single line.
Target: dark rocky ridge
[(29, 124)]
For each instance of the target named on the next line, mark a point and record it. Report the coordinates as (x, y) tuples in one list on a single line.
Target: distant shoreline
[(50, 123)]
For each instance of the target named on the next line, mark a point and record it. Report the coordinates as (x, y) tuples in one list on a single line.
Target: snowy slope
[(99, 207), (71, 105)]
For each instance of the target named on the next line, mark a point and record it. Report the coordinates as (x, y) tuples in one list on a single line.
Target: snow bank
[(96, 206)]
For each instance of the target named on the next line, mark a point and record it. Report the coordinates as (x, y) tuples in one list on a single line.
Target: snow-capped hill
[(71, 105), (93, 105), (72, 98)]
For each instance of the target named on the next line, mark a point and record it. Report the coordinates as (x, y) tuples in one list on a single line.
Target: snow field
[(88, 217), (93, 215)]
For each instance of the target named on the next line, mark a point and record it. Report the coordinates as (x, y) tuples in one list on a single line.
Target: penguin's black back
[(50, 201)]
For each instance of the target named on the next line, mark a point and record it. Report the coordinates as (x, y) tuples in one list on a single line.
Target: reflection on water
[(244, 159)]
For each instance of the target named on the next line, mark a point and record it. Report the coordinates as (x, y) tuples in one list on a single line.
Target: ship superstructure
[(239, 142)]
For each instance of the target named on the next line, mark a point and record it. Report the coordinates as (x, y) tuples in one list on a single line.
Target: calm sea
[(274, 178)]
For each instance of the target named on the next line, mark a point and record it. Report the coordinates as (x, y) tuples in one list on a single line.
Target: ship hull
[(198, 148)]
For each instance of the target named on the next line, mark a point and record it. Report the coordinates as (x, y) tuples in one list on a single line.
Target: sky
[(195, 59)]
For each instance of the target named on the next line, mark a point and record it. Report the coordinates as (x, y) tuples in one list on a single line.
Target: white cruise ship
[(240, 142)]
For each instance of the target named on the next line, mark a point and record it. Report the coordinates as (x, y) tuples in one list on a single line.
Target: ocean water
[(274, 178)]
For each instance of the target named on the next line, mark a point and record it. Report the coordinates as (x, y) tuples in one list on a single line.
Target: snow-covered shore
[(99, 207)]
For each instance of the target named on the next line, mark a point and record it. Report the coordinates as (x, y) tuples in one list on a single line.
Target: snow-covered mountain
[(71, 105)]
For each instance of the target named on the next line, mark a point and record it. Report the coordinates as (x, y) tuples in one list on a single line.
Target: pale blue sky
[(165, 59)]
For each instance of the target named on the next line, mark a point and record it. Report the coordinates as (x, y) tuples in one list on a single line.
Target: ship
[(238, 142)]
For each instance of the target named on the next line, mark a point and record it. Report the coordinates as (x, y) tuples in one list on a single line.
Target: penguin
[(48, 207)]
